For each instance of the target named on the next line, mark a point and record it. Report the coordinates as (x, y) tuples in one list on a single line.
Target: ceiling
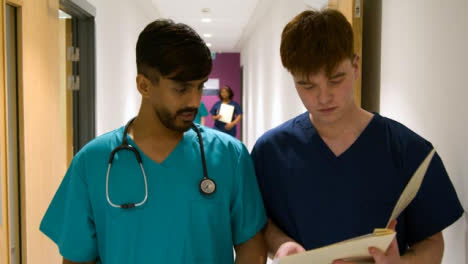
[(229, 17)]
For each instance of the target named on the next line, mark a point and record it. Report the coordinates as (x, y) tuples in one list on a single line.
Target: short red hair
[(316, 40)]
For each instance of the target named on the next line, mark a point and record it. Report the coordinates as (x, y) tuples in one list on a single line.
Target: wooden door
[(352, 10)]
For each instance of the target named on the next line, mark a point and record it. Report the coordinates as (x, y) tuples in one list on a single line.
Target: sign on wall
[(211, 87)]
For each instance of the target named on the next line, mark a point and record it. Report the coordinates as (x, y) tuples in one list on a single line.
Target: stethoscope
[(207, 185)]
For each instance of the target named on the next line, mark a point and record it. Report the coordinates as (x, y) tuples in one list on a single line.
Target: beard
[(169, 120)]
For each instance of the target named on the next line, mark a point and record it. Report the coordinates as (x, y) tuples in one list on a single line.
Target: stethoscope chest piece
[(207, 186)]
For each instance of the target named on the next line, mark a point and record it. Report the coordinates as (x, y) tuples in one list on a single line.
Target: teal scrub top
[(177, 224), (202, 112)]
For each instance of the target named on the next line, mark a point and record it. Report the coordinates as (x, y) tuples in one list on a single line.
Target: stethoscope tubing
[(126, 146)]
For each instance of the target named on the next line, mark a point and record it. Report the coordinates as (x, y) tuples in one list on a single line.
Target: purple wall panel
[(226, 68)]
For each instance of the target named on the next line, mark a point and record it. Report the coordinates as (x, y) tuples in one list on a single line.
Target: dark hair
[(165, 48), (315, 40), (230, 92)]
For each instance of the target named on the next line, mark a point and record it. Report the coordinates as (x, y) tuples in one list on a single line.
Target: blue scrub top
[(202, 112), (319, 199), (218, 125), (177, 224)]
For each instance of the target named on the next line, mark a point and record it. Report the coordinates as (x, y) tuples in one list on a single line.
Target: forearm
[(237, 119), (428, 251), (274, 237), (252, 251)]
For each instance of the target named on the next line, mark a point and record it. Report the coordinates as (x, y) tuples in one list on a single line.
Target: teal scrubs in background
[(202, 112), (177, 224)]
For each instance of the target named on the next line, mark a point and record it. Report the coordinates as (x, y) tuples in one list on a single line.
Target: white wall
[(118, 24), (423, 85), (423, 73), (269, 94)]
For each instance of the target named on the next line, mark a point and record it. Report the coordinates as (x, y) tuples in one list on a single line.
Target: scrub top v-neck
[(177, 224), (318, 198)]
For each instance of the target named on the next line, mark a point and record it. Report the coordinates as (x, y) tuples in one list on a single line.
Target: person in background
[(200, 118), (336, 171), (225, 97)]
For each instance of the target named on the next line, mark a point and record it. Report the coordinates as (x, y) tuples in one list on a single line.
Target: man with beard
[(160, 189)]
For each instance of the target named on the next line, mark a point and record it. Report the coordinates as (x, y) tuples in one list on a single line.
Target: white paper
[(411, 188), (358, 249), (226, 111)]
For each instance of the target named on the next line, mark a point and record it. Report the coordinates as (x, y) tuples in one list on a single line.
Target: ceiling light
[(208, 44), (206, 20), (207, 35)]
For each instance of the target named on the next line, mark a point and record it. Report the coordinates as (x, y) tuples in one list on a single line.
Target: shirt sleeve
[(436, 205), (202, 110), (248, 215), (256, 156), (69, 220), (215, 108)]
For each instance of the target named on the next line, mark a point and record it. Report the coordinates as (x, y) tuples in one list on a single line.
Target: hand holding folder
[(357, 249)]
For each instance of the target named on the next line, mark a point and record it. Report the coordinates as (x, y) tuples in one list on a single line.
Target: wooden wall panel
[(348, 8), (44, 137)]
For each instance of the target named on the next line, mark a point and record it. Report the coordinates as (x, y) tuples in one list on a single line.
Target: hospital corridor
[(253, 131)]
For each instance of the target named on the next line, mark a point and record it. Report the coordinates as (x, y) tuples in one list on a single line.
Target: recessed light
[(208, 44), (207, 35), (206, 20)]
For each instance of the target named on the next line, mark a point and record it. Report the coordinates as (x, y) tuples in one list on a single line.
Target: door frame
[(6, 184), (84, 100), (4, 238)]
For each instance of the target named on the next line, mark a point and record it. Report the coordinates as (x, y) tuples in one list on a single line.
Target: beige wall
[(45, 157)]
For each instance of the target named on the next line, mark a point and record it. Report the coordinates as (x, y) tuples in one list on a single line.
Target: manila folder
[(356, 249)]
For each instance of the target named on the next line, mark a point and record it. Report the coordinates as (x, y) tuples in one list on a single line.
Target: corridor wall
[(118, 24), (423, 85)]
